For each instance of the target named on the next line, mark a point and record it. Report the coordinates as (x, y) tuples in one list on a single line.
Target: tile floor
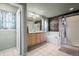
[(47, 49), (9, 52)]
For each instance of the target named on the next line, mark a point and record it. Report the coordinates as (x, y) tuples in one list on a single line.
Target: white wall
[(53, 37), (7, 37)]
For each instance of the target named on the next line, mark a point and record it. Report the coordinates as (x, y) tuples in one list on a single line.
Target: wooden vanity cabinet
[(35, 38)]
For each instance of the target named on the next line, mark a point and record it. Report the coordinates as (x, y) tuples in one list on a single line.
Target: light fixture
[(71, 9)]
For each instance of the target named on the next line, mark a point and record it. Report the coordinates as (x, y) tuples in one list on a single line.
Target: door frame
[(20, 37)]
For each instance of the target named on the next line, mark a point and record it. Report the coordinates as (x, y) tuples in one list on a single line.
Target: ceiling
[(51, 9)]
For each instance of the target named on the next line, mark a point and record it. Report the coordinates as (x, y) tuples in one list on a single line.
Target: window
[(7, 20)]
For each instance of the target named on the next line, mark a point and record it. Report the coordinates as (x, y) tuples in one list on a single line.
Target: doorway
[(16, 49), (8, 29)]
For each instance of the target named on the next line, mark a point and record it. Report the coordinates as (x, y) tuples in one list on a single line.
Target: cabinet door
[(44, 37), (41, 36), (37, 38), (33, 39), (29, 40)]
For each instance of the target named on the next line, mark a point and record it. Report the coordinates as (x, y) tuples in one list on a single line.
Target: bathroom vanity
[(35, 38)]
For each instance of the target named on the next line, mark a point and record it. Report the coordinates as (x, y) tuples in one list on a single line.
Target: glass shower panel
[(73, 30)]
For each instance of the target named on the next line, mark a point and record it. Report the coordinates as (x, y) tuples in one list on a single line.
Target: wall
[(53, 37), (23, 49), (45, 24), (7, 37)]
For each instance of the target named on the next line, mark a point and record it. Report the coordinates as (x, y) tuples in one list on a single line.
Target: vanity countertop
[(37, 32)]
